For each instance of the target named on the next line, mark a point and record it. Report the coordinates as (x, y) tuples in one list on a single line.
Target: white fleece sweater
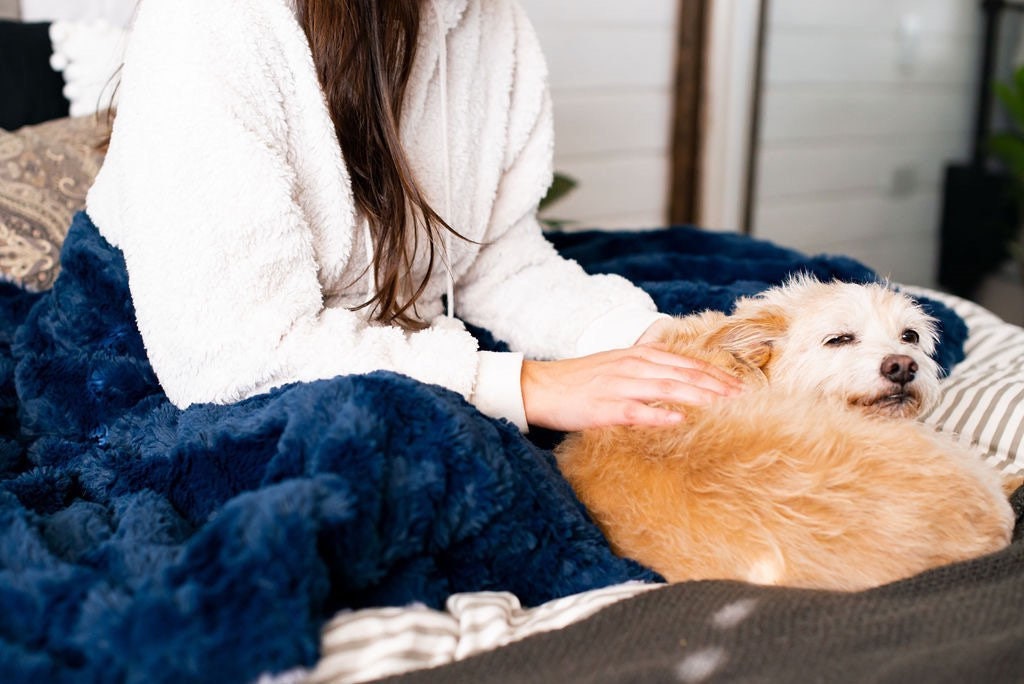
[(226, 190)]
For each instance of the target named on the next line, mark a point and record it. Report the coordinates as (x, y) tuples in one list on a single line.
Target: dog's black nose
[(899, 368)]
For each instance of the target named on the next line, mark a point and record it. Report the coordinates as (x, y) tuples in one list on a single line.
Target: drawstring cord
[(446, 170)]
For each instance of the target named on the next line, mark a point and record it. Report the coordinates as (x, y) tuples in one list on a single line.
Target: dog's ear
[(751, 333)]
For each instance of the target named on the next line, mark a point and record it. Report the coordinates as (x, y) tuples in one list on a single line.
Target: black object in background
[(30, 90), (979, 219), (979, 207)]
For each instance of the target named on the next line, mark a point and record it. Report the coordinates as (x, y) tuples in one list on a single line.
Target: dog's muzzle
[(901, 399), (896, 401)]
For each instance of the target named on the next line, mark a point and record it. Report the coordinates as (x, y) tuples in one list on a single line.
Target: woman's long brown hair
[(363, 51)]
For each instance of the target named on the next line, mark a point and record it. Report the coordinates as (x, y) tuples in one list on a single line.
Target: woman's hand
[(617, 387)]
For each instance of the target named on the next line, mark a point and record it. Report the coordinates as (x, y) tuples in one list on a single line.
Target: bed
[(302, 536)]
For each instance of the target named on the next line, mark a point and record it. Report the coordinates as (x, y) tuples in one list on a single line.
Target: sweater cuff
[(617, 329), (499, 391)]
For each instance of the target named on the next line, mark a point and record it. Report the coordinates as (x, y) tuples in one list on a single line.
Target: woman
[(298, 187)]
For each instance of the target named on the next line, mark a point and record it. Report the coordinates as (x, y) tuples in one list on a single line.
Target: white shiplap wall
[(611, 71), (863, 105)]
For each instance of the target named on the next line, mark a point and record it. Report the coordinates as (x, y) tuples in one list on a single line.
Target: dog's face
[(866, 345)]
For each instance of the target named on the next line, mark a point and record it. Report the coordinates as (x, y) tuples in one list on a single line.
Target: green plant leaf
[(1018, 79), (1009, 148), (1013, 101), (561, 186), (556, 225)]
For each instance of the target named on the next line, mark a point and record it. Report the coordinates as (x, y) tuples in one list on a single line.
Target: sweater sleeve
[(201, 191), (519, 287)]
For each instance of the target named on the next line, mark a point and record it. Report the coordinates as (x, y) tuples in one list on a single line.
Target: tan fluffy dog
[(812, 478)]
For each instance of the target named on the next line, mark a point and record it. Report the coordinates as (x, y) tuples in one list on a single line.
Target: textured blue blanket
[(140, 543)]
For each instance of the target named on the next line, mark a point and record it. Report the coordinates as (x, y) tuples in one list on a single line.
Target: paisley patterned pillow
[(45, 172)]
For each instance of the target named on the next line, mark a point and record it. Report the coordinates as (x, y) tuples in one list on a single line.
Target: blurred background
[(867, 128), (825, 125)]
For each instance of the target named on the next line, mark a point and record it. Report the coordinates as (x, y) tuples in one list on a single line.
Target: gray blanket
[(961, 623)]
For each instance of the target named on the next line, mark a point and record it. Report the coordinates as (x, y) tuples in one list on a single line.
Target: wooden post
[(687, 127)]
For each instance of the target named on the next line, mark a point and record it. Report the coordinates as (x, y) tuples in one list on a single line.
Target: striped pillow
[(982, 400), (363, 645)]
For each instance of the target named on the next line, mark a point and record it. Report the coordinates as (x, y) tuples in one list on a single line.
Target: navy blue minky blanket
[(142, 543)]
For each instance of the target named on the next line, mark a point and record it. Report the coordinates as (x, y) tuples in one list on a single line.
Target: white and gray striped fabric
[(377, 642), (982, 403)]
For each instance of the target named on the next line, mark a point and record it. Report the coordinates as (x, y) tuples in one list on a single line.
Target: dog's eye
[(910, 336), (839, 340)]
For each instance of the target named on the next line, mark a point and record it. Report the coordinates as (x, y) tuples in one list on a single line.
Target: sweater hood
[(441, 16), (450, 10)]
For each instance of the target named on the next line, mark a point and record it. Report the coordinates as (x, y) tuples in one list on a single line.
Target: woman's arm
[(519, 287), (202, 184), (522, 290)]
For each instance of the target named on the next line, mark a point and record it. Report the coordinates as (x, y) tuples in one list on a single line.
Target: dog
[(817, 476)]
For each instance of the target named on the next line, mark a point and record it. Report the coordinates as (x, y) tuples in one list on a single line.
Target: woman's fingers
[(617, 388), (646, 363), (657, 354), (639, 413), (693, 392)]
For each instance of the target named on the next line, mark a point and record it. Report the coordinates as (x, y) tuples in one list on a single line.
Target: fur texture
[(814, 477)]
